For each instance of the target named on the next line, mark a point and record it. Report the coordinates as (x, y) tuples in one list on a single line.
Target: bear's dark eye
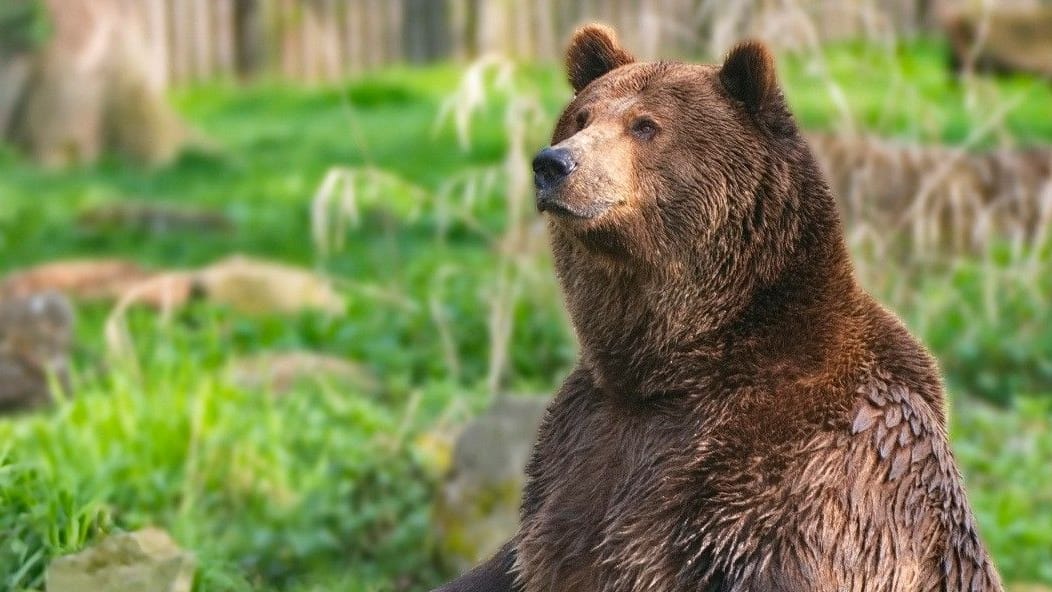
[(644, 128), (582, 119)]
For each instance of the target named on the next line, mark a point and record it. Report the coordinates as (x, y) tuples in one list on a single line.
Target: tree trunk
[(425, 30), (248, 38), (471, 28), (91, 88), (14, 72)]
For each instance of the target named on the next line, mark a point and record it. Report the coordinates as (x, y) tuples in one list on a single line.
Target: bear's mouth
[(546, 203)]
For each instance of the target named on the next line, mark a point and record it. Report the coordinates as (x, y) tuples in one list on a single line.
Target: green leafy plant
[(24, 25)]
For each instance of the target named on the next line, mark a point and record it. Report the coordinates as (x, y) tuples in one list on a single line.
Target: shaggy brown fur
[(743, 416)]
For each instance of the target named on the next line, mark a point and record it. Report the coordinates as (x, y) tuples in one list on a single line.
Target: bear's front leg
[(492, 576)]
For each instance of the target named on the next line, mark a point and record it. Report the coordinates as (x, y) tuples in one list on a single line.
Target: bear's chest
[(617, 501), (597, 486)]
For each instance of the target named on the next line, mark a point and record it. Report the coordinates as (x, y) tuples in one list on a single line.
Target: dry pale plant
[(920, 216), (493, 78), (345, 192), (953, 206)]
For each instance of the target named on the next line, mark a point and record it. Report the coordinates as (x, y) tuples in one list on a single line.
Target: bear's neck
[(647, 331)]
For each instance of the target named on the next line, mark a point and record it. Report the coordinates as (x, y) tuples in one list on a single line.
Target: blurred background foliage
[(406, 188), (24, 25)]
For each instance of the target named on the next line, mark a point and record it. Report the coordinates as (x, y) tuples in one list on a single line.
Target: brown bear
[(743, 417)]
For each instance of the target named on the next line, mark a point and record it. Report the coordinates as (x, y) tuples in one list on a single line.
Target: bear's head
[(678, 196)]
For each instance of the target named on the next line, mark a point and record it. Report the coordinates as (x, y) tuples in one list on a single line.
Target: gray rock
[(258, 286), (36, 333), (477, 508), (142, 561)]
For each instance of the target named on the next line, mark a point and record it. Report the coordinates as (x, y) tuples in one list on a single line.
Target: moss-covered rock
[(477, 509), (142, 561)]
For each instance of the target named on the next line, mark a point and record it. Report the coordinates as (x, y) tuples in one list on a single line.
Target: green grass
[(325, 490), (907, 91), (263, 489)]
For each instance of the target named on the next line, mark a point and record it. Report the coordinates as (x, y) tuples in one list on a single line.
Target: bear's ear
[(593, 52), (748, 75)]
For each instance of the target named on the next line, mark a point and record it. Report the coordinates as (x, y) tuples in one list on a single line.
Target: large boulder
[(477, 509), (256, 286), (36, 333), (142, 561)]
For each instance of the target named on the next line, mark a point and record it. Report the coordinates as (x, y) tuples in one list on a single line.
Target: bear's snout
[(551, 166)]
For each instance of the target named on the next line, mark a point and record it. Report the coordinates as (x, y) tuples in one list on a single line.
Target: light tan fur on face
[(605, 173)]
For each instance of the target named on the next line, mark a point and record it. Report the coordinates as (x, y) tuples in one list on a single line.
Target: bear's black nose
[(552, 165)]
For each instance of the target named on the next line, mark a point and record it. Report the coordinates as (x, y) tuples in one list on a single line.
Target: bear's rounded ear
[(593, 52), (748, 75)]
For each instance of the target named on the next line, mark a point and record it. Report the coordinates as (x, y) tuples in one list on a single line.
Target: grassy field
[(329, 490)]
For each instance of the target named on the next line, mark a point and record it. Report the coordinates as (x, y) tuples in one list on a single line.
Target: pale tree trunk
[(14, 72), (425, 30), (92, 87), (23, 29), (471, 28)]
